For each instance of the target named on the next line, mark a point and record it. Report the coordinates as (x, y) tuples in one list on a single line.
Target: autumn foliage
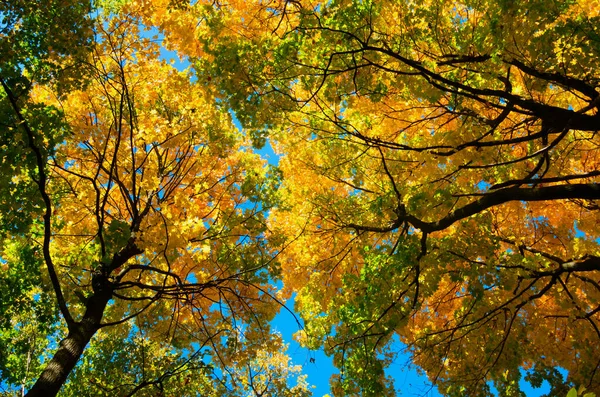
[(437, 192)]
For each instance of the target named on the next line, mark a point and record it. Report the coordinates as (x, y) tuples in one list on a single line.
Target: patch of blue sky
[(180, 63), (458, 19), (578, 233), (483, 186), (544, 389), (191, 278), (409, 380), (315, 363), (267, 153), (319, 367), (243, 240), (537, 221)]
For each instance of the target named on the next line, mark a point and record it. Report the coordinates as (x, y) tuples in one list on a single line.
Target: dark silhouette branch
[(589, 191)]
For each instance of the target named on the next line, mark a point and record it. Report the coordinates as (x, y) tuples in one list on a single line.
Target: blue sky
[(320, 368), (407, 380)]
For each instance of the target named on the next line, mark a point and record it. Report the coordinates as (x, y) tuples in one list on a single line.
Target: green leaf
[(572, 392)]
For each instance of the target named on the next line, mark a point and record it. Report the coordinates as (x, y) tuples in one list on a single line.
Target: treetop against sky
[(436, 186)]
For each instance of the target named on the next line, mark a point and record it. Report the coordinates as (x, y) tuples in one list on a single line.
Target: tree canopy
[(437, 189)]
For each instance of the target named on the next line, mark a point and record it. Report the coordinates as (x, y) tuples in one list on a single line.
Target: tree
[(440, 164), (440, 169), (148, 247)]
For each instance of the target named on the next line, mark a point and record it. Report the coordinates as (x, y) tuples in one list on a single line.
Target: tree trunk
[(71, 348)]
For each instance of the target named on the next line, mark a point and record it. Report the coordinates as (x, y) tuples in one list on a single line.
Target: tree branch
[(41, 182), (589, 191)]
